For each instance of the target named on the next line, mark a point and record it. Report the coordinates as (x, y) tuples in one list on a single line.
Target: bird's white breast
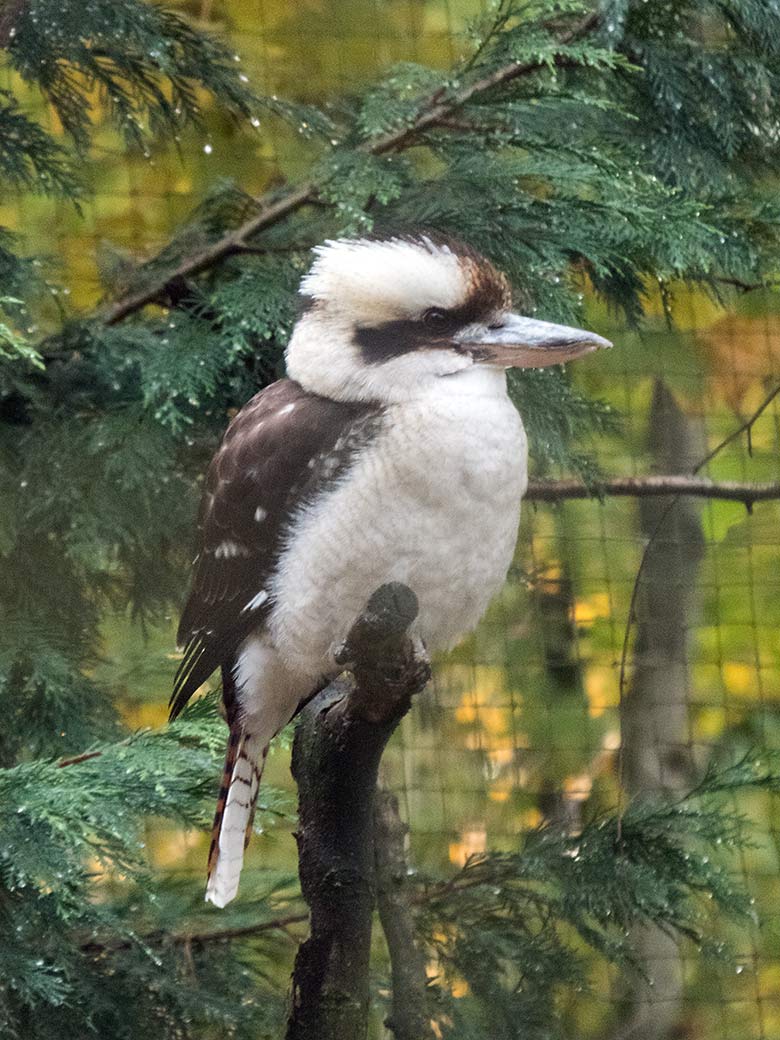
[(433, 502)]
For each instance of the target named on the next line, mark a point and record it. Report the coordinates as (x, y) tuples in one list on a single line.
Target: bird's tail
[(244, 762)]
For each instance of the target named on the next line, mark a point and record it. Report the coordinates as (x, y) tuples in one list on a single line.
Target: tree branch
[(409, 1018), (652, 487), (743, 286), (339, 741), (247, 931), (192, 938), (230, 244), (434, 113)]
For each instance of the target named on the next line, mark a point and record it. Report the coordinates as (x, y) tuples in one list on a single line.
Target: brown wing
[(282, 449)]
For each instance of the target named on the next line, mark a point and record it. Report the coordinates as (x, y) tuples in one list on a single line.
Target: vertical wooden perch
[(338, 744), (409, 1017)]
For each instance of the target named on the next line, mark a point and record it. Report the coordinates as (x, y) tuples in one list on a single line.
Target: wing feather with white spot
[(282, 449)]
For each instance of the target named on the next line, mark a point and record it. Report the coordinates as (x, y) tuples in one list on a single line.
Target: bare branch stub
[(338, 745)]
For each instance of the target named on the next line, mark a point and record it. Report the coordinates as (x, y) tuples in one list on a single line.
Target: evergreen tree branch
[(434, 891), (195, 938), (230, 244), (435, 113)]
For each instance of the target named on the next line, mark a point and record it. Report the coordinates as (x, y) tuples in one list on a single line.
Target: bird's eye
[(435, 318)]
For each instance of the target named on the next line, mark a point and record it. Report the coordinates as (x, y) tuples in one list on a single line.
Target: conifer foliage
[(611, 147)]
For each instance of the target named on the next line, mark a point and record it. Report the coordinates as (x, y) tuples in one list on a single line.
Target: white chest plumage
[(433, 502)]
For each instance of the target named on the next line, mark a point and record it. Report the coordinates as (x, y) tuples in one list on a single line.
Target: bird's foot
[(418, 657), (340, 655)]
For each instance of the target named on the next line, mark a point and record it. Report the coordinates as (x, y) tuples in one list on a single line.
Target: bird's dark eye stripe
[(433, 328), (394, 338)]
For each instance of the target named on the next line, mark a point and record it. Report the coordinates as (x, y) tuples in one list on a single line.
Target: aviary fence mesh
[(523, 721)]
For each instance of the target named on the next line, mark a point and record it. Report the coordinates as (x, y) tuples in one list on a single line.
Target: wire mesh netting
[(526, 721)]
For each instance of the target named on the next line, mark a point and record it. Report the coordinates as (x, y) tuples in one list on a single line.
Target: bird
[(390, 451)]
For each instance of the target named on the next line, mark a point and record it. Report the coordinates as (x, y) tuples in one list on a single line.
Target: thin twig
[(433, 112), (744, 427), (78, 759), (228, 934), (501, 17), (743, 286), (86, 756), (220, 935), (214, 935)]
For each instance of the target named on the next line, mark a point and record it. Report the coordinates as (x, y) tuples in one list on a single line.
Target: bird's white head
[(385, 319)]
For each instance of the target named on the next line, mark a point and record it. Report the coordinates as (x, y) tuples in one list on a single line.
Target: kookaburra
[(391, 452)]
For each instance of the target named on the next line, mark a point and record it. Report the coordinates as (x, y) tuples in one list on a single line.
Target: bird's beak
[(518, 342)]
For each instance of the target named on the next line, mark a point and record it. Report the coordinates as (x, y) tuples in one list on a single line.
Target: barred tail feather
[(235, 814)]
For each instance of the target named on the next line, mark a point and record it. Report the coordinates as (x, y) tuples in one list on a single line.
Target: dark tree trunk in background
[(657, 757), (338, 744)]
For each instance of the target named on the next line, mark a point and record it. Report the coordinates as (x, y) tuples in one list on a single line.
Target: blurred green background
[(523, 720)]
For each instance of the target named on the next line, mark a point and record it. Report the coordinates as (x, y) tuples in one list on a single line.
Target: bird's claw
[(419, 649), (340, 654)]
